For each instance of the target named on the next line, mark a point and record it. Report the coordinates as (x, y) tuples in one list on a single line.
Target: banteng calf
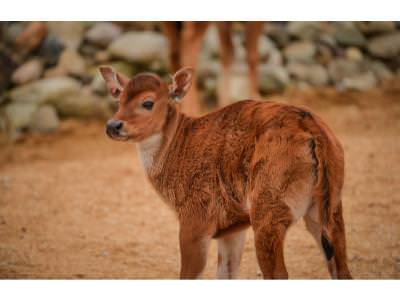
[(258, 164)]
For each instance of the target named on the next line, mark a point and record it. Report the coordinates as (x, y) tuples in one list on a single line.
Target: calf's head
[(143, 102)]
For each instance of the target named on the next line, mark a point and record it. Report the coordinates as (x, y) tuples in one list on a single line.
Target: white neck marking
[(147, 149)]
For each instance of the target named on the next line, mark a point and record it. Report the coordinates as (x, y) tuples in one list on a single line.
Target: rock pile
[(346, 55), (49, 69)]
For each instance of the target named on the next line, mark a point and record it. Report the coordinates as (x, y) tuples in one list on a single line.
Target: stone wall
[(49, 69)]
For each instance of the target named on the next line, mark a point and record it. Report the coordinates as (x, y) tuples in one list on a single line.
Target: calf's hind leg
[(230, 250), (270, 219), (334, 249)]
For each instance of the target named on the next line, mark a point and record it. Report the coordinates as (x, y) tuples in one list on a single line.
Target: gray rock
[(239, 87), (359, 82), (98, 85), (83, 104), (69, 33), (304, 30), (300, 52), (88, 50), (27, 72), (324, 54), (122, 67), (314, 74), (278, 33), (354, 54), (269, 52), (348, 35), (273, 78), (380, 70), (70, 63), (385, 46), (341, 68), (208, 67), (45, 119), (19, 115), (51, 49), (12, 31), (376, 26), (328, 40), (102, 56), (140, 46), (45, 90), (103, 33)]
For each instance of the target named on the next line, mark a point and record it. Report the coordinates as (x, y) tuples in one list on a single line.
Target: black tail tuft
[(328, 249)]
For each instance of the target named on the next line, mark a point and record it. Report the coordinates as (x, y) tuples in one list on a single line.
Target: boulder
[(102, 34), (328, 40), (385, 46), (313, 74), (19, 115), (354, 54), (301, 51), (359, 82), (375, 27), (304, 30), (278, 33), (89, 51), (69, 33), (27, 72), (240, 87), (143, 46), (70, 63), (268, 51), (51, 49), (273, 78), (98, 85), (83, 104), (208, 67), (348, 35), (324, 54), (45, 90), (341, 68), (102, 56), (12, 31), (380, 70), (45, 119)]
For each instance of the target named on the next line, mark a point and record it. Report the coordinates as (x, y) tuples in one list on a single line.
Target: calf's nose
[(114, 126)]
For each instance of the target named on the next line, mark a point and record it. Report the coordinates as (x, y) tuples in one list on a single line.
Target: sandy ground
[(75, 204)]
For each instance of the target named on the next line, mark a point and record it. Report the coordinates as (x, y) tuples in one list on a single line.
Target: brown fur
[(254, 163)]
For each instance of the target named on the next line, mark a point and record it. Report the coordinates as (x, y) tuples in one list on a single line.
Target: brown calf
[(262, 164)]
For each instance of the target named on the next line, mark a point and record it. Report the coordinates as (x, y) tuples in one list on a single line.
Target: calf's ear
[(115, 81), (181, 82)]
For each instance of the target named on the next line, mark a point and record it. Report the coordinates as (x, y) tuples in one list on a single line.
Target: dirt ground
[(75, 204)]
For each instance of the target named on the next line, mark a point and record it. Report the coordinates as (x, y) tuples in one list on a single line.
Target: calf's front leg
[(194, 248)]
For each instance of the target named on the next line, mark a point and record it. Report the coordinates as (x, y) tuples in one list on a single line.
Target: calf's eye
[(148, 104)]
